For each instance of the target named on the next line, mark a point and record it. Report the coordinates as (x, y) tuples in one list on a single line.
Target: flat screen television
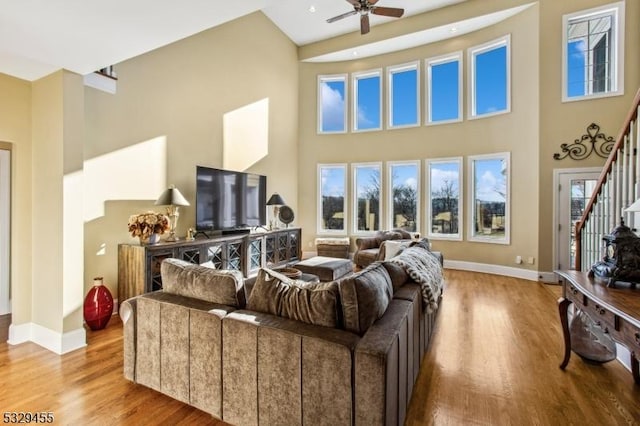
[(227, 200)]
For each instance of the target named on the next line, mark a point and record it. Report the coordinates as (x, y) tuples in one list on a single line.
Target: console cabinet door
[(234, 255), (255, 254)]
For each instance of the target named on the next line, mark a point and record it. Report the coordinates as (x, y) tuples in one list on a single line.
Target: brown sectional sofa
[(199, 341)]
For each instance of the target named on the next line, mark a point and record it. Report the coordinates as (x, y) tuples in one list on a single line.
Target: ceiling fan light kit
[(364, 8)]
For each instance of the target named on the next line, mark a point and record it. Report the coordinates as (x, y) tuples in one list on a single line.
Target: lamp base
[(172, 237)]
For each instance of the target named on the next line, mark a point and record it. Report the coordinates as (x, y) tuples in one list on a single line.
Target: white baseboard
[(19, 333), (60, 343), (492, 269), (549, 277)]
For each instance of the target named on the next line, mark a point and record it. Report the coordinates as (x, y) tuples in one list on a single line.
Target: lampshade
[(635, 207), (276, 200), (171, 197)]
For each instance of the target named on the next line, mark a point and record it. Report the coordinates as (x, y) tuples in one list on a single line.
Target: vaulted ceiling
[(38, 37)]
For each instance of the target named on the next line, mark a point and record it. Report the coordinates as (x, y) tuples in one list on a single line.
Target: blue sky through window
[(444, 91), (368, 103), (405, 174), (576, 63), (490, 82), (333, 181), (405, 98), (442, 173), (333, 106), (490, 183)]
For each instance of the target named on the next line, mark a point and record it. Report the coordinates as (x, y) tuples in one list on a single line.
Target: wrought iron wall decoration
[(580, 149)]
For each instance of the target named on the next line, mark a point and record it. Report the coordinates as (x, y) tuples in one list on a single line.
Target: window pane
[(368, 94), (444, 196), (367, 197), (591, 51), (444, 91), (332, 194), (404, 102), (332, 101), (490, 81), (404, 183), (490, 198)]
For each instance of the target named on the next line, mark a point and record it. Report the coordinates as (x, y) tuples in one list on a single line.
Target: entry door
[(5, 210), (574, 191)]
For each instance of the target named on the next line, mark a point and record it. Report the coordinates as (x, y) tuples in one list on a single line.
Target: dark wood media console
[(139, 266)]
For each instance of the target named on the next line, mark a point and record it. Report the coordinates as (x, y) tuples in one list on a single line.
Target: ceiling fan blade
[(364, 24), (355, 3), (372, 2), (344, 15), (393, 12)]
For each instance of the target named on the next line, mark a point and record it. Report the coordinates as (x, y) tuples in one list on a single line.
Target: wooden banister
[(606, 170)]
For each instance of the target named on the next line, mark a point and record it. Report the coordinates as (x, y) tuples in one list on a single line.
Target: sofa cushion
[(397, 274), (365, 297), (200, 282), (312, 303)]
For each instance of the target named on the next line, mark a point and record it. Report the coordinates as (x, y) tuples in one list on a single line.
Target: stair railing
[(616, 189)]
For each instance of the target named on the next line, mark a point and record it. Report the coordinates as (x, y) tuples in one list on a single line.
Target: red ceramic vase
[(98, 305)]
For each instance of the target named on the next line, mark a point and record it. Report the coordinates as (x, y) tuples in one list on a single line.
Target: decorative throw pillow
[(312, 303), (393, 247), (213, 285), (365, 297)]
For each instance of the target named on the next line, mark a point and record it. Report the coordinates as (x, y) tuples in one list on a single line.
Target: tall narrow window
[(444, 93), (404, 200), (445, 198), (367, 185), (332, 188), (489, 207), (367, 101), (332, 106), (592, 49), (490, 78), (403, 87)]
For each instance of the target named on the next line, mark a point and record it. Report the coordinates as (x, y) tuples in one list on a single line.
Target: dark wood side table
[(616, 310)]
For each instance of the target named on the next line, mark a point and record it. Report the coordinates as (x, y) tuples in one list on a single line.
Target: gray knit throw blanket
[(425, 269)]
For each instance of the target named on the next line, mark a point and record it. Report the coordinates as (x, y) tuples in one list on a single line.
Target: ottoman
[(333, 247), (326, 268)]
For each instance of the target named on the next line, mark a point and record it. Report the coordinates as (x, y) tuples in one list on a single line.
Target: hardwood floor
[(493, 361)]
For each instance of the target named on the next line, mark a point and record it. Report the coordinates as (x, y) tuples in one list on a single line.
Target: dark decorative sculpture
[(579, 150), (621, 261)]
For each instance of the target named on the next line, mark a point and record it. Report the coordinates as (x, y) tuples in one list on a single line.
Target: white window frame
[(355, 77), (329, 78), (478, 50), (319, 227), (472, 236), (389, 197), (394, 69), (428, 166), (354, 198), (439, 60), (617, 11)]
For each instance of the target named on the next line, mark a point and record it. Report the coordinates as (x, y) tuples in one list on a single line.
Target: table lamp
[(276, 201), (174, 199)]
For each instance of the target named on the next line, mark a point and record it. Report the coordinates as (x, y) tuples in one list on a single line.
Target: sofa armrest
[(128, 312), (364, 243)]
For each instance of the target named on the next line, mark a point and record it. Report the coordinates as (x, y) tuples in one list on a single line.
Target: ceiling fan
[(364, 7)]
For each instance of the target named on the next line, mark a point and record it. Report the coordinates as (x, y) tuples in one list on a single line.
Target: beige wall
[(516, 132), (565, 122), (181, 93), (15, 129)]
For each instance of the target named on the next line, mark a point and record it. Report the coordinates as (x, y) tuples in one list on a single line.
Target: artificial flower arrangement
[(146, 224)]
